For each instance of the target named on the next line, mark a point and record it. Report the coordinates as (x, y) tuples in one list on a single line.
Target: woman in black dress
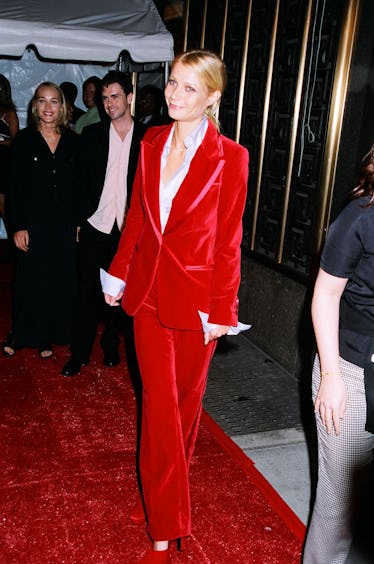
[(43, 218)]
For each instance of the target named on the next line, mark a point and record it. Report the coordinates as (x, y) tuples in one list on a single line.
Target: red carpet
[(67, 475)]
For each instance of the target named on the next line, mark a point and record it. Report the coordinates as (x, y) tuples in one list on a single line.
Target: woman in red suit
[(178, 258)]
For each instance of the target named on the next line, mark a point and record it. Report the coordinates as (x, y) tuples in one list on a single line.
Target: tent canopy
[(84, 30), (74, 39)]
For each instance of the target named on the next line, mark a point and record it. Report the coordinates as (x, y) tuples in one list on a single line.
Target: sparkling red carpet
[(67, 474)]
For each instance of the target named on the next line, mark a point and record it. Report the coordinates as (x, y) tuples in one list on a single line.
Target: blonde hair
[(211, 69), (62, 120)]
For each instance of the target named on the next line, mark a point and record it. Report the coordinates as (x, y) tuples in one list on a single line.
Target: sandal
[(45, 351), (8, 346)]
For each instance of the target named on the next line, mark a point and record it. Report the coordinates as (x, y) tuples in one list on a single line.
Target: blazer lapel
[(204, 169), (150, 162)]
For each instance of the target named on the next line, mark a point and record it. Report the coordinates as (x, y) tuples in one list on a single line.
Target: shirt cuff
[(233, 330), (111, 284)]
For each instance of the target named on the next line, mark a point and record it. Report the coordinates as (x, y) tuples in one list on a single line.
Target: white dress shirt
[(169, 190)]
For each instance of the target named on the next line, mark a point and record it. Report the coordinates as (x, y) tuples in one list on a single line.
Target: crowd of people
[(146, 213), (54, 172)]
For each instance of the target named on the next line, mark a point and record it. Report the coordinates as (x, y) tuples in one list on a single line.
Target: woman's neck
[(48, 129), (183, 130)]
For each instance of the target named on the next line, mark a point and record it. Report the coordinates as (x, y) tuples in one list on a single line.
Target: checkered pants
[(330, 533)]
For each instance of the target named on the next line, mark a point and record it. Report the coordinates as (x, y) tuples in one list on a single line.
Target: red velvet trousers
[(174, 367)]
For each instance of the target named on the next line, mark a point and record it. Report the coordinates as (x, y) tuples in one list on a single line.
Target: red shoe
[(156, 557), (137, 515)]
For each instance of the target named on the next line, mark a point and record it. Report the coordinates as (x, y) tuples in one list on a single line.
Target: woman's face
[(48, 105), (186, 95)]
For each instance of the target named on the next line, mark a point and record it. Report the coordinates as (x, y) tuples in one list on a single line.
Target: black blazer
[(93, 162)]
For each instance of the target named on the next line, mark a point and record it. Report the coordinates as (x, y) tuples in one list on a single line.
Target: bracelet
[(330, 373)]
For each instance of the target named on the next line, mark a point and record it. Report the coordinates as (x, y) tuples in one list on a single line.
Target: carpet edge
[(292, 521)]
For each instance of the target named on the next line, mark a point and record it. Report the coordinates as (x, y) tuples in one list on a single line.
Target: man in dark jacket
[(107, 167)]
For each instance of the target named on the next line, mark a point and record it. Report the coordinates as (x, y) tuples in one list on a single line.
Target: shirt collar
[(114, 133), (193, 139)]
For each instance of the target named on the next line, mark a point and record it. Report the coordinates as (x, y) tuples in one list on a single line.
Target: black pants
[(96, 250)]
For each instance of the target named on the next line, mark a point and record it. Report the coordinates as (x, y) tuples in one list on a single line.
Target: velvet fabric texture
[(174, 367), (195, 262)]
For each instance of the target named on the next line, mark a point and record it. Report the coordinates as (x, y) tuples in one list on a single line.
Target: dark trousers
[(96, 250)]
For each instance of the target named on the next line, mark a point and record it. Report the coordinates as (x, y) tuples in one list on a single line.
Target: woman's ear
[(214, 97)]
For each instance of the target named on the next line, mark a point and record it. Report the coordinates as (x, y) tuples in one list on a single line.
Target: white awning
[(84, 30)]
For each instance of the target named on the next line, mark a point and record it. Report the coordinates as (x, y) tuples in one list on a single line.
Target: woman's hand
[(21, 240), (216, 333), (331, 401), (113, 300)]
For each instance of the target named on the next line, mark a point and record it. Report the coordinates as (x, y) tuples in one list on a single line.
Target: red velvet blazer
[(195, 263)]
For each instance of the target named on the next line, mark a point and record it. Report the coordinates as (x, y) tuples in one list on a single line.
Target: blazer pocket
[(198, 267)]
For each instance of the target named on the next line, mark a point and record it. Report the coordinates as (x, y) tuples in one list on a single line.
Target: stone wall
[(278, 308)]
